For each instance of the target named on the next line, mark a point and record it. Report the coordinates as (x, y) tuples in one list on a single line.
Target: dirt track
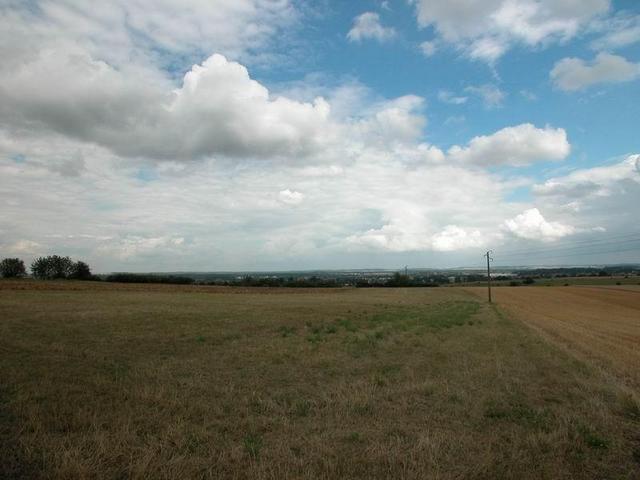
[(600, 323)]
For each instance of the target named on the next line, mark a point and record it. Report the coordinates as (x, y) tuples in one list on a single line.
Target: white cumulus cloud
[(219, 109), (619, 31), (531, 225), (490, 94), (453, 237), (429, 48), (518, 145), (592, 182), (449, 97), (368, 26), (394, 121), (573, 74), (487, 29)]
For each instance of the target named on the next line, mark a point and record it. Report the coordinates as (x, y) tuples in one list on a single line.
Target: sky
[(210, 135)]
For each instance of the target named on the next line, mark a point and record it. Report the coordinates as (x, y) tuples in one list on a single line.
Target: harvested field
[(600, 323), (112, 381)]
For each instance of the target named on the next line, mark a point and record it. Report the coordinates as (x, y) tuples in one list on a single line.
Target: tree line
[(51, 267)]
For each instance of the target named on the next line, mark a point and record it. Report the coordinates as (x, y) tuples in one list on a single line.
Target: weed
[(330, 329), (286, 331), (390, 369), (363, 343), (253, 445), (193, 443), (315, 338), (315, 328), (302, 408), (117, 370), (630, 407), (592, 438), (347, 324), (319, 330), (257, 406)]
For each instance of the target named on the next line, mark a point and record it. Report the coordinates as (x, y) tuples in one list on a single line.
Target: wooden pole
[(488, 255)]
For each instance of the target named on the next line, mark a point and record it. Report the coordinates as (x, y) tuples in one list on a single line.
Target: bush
[(12, 268)]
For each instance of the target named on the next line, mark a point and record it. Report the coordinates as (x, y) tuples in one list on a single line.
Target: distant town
[(405, 277)]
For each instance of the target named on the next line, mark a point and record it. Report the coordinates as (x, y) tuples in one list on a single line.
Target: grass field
[(136, 381)]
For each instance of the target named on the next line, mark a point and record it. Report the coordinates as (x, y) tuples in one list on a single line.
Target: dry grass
[(601, 324), (165, 382)]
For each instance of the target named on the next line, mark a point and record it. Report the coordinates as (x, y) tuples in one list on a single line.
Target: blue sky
[(281, 134), (397, 67)]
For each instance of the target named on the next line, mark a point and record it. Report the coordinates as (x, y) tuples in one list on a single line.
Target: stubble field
[(121, 381), (598, 323)]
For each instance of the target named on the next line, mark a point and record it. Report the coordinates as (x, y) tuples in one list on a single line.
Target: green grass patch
[(435, 317), (520, 414), (347, 324)]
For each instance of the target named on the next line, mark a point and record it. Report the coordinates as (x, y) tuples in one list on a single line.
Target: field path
[(599, 322)]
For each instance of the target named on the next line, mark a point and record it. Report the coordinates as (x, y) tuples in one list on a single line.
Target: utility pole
[(406, 274), (489, 259)]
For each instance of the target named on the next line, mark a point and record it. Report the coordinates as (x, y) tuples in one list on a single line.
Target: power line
[(575, 251), (568, 249), (573, 254), (572, 246), (582, 244)]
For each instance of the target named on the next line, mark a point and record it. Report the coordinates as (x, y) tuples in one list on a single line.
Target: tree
[(40, 267), (52, 267), (80, 271), (12, 268), (61, 267)]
